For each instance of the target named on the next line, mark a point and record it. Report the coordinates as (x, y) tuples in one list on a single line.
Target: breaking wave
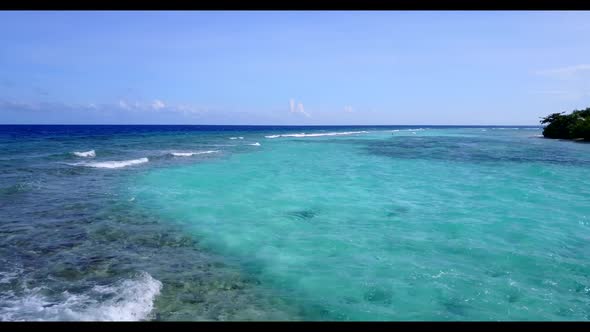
[(188, 154), (113, 164), (85, 154), (318, 134), (127, 300)]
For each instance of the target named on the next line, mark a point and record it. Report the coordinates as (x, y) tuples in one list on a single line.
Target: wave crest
[(85, 154), (127, 300), (113, 164), (318, 134), (188, 154)]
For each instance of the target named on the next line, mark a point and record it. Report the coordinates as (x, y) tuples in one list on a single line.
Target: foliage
[(568, 126)]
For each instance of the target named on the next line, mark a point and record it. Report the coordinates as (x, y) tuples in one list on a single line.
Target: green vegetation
[(568, 126)]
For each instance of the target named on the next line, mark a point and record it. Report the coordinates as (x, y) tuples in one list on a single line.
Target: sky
[(292, 67)]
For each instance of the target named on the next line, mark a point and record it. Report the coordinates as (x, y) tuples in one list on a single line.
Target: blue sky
[(299, 67)]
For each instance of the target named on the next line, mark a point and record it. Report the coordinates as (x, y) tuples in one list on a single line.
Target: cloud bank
[(121, 105), (297, 108), (565, 72)]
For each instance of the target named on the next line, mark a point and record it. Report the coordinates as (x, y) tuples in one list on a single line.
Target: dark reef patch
[(302, 214), (379, 296), (397, 211)]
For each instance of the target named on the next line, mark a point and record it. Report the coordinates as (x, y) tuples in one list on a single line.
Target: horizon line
[(267, 125)]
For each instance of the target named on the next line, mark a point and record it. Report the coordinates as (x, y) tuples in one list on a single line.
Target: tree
[(582, 129), (568, 126)]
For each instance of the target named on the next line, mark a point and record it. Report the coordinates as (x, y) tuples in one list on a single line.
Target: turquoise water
[(334, 224)]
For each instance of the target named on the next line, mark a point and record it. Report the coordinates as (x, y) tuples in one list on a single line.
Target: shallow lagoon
[(381, 223)]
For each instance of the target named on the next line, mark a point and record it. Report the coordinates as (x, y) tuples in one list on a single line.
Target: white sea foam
[(317, 134), (518, 128), (127, 300), (85, 154), (182, 154), (113, 164), (188, 154), (255, 144), (236, 137), (7, 276)]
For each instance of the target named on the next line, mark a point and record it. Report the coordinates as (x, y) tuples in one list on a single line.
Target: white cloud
[(301, 110), (12, 105), (564, 94), (348, 109), (155, 105), (297, 109), (158, 104), (132, 106), (19, 106), (123, 104), (186, 110), (550, 92), (572, 82), (565, 72)]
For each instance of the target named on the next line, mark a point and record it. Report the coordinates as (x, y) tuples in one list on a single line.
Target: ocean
[(336, 223)]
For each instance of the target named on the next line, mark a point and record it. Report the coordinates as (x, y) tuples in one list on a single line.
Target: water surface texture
[(292, 223)]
